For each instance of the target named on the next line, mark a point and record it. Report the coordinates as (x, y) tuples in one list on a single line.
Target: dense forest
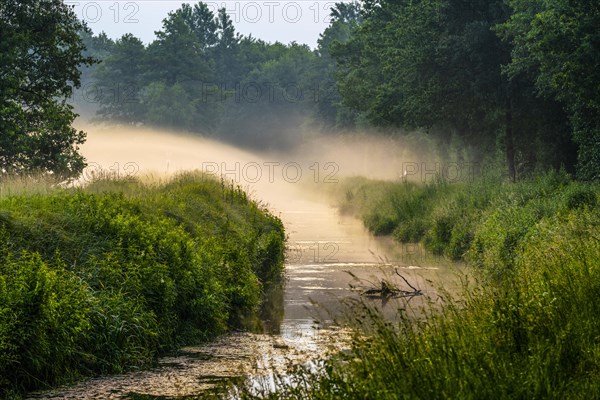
[(199, 75), (494, 81)]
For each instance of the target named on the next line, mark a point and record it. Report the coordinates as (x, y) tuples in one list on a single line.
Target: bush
[(580, 197), (44, 317), (412, 230), (498, 237)]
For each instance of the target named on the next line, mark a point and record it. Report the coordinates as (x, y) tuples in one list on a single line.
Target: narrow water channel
[(326, 254)]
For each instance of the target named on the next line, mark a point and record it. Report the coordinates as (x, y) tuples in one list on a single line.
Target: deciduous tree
[(40, 51)]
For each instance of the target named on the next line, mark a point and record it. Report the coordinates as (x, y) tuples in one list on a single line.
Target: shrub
[(411, 230), (580, 197)]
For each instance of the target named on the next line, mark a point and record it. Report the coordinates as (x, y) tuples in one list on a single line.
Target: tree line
[(200, 75), (520, 77), (495, 81)]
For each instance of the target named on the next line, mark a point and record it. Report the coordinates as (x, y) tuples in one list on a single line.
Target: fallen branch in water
[(386, 290)]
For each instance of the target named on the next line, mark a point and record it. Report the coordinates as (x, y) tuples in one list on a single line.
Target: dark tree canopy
[(491, 81), (438, 65), (557, 45), (40, 51)]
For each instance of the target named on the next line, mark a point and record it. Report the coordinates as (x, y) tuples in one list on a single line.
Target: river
[(327, 254)]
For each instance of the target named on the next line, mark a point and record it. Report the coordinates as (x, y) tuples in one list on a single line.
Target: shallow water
[(327, 255)]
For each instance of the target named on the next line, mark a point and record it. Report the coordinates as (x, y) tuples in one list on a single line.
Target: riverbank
[(527, 328), (106, 278)]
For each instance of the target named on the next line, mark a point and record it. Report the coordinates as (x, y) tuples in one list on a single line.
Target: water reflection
[(271, 312)]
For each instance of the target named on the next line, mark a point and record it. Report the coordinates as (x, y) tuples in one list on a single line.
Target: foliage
[(329, 110), (269, 103), (200, 76), (484, 219), (508, 81), (437, 65), (557, 44), (40, 53), (106, 278), (119, 77)]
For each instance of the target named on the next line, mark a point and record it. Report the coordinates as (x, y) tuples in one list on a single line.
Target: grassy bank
[(105, 278), (482, 221), (528, 329)]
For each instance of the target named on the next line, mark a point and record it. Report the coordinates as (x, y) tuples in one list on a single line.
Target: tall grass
[(528, 329), (27, 184), (448, 218), (105, 278)]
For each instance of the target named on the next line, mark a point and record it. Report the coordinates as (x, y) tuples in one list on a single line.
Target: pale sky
[(284, 21)]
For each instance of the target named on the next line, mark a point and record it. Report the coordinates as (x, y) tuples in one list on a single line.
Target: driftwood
[(386, 290)]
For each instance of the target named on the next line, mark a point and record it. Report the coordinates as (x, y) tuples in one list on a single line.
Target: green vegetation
[(556, 44), (40, 53), (105, 278), (512, 80), (463, 220), (528, 326), (504, 80), (200, 76)]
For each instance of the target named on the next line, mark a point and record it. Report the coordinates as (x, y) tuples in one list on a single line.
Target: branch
[(405, 281)]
